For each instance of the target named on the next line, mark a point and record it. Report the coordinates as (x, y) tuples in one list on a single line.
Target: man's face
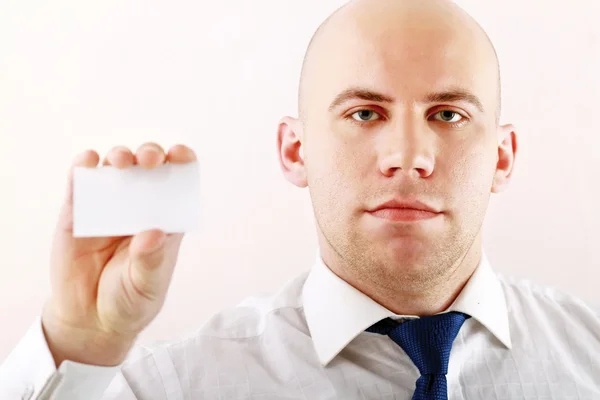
[(405, 111)]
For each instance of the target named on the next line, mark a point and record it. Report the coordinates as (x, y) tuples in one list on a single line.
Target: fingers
[(149, 155), (146, 242), (180, 154), (153, 255), (88, 158), (120, 157)]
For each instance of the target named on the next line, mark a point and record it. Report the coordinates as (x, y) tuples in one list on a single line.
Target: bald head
[(399, 100), (395, 29)]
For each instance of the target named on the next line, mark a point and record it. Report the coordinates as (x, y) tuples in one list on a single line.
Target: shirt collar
[(336, 312)]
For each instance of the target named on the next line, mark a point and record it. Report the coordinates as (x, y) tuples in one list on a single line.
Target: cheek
[(334, 172), (334, 176), (471, 175), (338, 158)]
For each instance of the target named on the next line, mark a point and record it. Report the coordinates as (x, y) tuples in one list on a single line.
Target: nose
[(407, 148)]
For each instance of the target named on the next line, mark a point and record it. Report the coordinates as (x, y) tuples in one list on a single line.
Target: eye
[(448, 116), (366, 115)]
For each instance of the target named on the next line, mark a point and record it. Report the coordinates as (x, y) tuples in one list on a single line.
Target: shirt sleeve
[(29, 373)]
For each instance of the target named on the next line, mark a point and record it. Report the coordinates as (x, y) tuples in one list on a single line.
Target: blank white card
[(108, 201)]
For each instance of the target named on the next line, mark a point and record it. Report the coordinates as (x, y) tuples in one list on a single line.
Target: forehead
[(403, 58)]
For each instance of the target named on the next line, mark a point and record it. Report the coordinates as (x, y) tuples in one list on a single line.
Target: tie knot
[(427, 340)]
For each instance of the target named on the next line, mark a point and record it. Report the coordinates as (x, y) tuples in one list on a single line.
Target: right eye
[(366, 115)]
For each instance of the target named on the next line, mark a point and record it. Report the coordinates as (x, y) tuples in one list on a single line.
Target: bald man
[(399, 143)]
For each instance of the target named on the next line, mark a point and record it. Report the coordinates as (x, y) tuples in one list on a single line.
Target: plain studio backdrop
[(217, 76)]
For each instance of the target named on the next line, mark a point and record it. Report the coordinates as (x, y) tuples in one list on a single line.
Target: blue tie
[(427, 341)]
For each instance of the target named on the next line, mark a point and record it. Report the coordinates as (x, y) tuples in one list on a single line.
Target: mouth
[(403, 214), (405, 211)]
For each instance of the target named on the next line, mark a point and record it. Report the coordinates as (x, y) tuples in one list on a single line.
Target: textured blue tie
[(427, 341)]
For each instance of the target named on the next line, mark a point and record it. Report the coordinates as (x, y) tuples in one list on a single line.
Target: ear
[(507, 152), (289, 148)]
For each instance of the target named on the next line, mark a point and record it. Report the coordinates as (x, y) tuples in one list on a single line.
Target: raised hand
[(105, 291)]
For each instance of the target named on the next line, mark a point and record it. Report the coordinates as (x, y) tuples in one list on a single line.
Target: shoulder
[(228, 331), (254, 314), (250, 317), (528, 298)]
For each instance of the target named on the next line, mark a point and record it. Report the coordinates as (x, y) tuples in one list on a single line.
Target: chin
[(407, 251)]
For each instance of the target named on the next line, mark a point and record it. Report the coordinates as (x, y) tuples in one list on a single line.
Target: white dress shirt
[(309, 342)]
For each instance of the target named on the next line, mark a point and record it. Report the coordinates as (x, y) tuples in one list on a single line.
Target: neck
[(421, 299)]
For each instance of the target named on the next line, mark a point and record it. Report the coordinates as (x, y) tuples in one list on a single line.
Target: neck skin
[(433, 297)]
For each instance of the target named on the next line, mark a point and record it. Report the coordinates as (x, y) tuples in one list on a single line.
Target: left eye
[(365, 115), (448, 116)]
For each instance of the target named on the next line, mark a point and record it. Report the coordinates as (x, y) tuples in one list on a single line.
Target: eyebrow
[(455, 94), (450, 95), (360, 94)]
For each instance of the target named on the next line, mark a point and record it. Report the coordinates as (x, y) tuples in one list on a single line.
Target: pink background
[(218, 76)]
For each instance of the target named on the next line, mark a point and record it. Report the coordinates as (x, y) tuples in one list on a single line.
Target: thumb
[(146, 244), (147, 272)]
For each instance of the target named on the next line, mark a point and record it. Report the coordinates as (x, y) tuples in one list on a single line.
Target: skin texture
[(398, 141)]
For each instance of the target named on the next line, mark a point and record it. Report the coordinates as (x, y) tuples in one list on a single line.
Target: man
[(398, 140)]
